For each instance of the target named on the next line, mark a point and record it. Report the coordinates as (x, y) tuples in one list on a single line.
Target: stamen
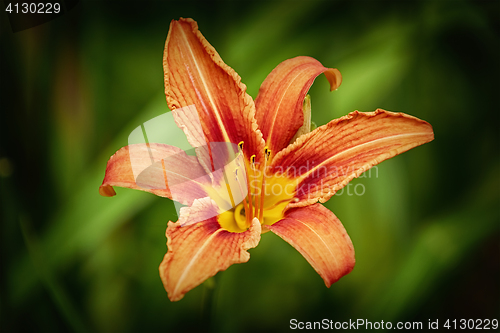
[(249, 211), (249, 208), (267, 153)]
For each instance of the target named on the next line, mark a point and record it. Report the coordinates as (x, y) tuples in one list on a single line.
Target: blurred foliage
[(426, 229)]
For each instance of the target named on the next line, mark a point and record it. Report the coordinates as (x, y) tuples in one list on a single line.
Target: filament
[(248, 207), (267, 153)]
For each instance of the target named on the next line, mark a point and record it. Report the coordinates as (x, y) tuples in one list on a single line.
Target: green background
[(425, 231)]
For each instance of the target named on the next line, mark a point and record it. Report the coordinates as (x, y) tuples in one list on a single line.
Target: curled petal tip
[(107, 191), (280, 100), (334, 77)]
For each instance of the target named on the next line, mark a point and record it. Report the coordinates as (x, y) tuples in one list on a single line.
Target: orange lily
[(287, 182)]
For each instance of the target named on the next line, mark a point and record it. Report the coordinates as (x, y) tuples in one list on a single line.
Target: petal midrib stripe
[(271, 130), (194, 259), (321, 239), (357, 147), (216, 111)]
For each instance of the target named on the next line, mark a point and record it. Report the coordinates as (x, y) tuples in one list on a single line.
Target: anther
[(241, 145)]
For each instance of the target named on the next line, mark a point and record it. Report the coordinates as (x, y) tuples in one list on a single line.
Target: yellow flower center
[(268, 195)]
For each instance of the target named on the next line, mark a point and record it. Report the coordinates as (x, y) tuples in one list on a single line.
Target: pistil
[(249, 195), (254, 195)]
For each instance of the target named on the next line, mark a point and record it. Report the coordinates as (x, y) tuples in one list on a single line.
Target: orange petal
[(198, 251), (165, 170), (326, 159), (279, 103), (196, 75), (320, 237)]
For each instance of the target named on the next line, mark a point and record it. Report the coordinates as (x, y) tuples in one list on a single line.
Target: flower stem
[(208, 303)]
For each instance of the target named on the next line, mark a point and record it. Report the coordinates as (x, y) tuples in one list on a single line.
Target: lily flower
[(289, 170)]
